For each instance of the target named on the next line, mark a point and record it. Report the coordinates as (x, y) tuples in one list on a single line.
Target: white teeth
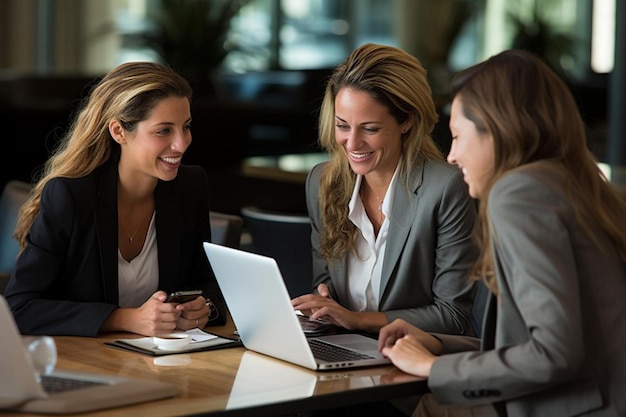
[(464, 171), (171, 160), (360, 155)]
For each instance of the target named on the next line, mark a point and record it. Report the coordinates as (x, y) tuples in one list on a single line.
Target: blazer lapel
[(169, 224), (106, 229), (402, 211), (339, 269)]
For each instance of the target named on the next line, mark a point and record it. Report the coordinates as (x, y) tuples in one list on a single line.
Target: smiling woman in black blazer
[(116, 222)]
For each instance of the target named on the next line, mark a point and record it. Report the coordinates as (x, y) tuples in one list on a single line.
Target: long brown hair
[(532, 115), (398, 81), (128, 93)]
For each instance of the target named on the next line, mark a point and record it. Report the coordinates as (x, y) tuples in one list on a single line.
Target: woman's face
[(158, 143), (370, 136), (471, 150)]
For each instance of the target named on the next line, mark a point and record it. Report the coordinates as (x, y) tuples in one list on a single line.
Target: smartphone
[(180, 297)]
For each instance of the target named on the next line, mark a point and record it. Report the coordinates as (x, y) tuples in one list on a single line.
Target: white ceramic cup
[(41, 352), (172, 341)]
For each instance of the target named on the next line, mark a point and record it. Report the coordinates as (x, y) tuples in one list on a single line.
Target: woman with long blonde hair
[(392, 221), (116, 222)]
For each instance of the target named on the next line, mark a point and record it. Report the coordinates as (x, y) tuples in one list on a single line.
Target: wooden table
[(286, 168), (232, 381)]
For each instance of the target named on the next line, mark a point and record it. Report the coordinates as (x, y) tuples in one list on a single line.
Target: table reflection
[(261, 380), (288, 168)]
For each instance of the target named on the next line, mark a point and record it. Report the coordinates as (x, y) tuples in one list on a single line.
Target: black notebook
[(205, 341)]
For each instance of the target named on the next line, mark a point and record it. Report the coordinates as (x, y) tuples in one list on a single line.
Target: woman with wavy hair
[(116, 221), (553, 252), (392, 221)]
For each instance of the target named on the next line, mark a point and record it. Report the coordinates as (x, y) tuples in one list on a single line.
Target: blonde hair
[(532, 116), (398, 81), (127, 93)]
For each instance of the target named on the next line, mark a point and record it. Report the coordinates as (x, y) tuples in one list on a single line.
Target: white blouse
[(139, 278), (365, 266)]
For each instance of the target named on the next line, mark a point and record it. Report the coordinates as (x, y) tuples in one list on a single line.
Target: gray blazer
[(429, 250), (555, 341)]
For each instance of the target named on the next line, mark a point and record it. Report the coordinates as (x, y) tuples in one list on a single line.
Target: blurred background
[(258, 69)]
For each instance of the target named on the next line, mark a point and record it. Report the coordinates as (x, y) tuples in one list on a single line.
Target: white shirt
[(139, 278), (365, 266)]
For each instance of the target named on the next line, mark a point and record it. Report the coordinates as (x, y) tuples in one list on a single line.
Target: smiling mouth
[(360, 155), (171, 161)]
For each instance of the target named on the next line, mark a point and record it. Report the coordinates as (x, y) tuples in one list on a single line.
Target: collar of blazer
[(404, 201)]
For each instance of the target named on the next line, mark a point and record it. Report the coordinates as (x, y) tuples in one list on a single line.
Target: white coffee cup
[(41, 352), (172, 341)]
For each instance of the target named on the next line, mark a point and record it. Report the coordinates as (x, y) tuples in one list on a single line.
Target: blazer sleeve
[(44, 296), (539, 308)]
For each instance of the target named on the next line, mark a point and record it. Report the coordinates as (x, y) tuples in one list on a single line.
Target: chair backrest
[(226, 229), (286, 237), (14, 194)]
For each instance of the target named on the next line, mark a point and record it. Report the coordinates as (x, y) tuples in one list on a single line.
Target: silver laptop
[(21, 391), (261, 309)]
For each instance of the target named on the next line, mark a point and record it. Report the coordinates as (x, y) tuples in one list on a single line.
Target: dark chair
[(226, 229), (14, 194), (285, 237)]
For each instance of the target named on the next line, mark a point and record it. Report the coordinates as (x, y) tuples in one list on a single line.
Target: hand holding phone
[(180, 297)]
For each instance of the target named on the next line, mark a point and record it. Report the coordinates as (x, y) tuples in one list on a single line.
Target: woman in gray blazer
[(391, 220), (553, 253), (116, 222)]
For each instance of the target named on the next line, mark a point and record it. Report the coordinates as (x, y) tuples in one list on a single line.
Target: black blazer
[(65, 282)]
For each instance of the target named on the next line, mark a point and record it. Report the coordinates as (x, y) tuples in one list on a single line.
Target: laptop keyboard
[(334, 353), (313, 326), (52, 384)]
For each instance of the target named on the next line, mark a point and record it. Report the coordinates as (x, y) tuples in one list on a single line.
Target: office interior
[(256, 98), (258, 85)]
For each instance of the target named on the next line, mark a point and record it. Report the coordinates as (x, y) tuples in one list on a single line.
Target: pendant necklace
[(381, 215), (131, 237), (380, 204)]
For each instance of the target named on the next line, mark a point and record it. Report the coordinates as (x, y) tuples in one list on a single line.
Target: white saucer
[(172, 341)]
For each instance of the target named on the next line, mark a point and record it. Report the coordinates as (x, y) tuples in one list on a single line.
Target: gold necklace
[(381, 215), (131, 237), (380, 202)]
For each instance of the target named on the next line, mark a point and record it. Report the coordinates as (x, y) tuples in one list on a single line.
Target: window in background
[(131, 20), (277, 34), (555, 30), (603, 36), (306, 34), (314, 33), (91, 36)]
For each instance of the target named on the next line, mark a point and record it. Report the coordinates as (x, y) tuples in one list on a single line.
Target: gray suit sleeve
[(538, 339)]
